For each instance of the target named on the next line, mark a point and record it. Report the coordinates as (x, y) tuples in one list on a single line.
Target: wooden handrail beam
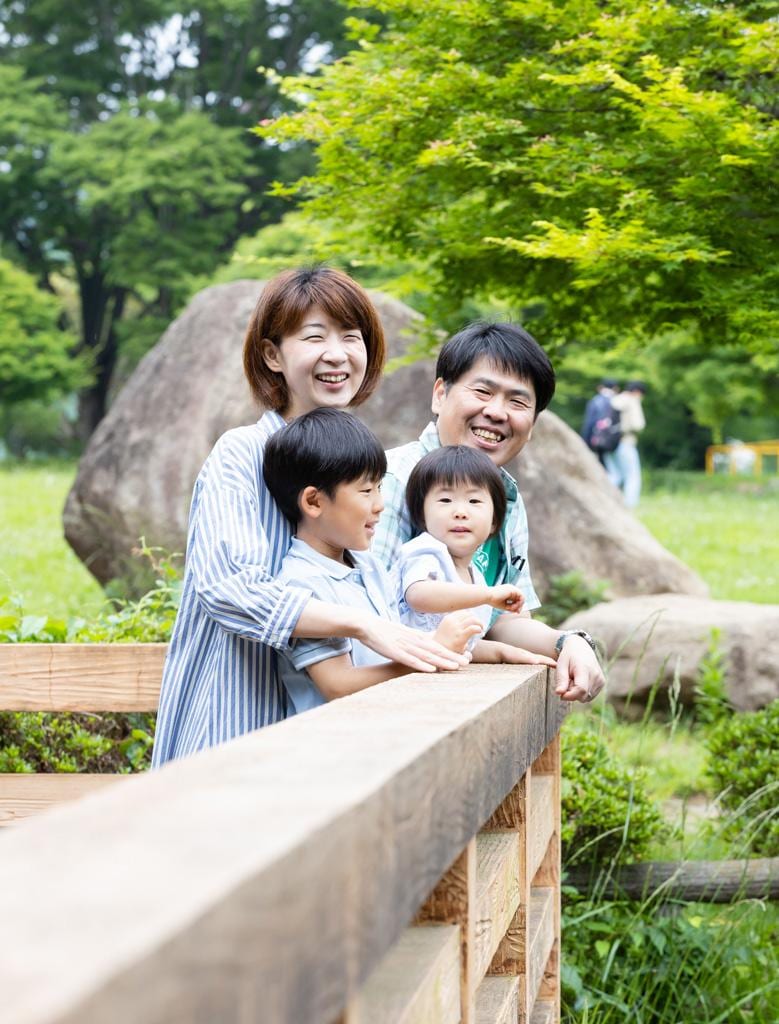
[(265, 878)]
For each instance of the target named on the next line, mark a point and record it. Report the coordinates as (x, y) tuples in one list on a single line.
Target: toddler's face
[(460, 516)]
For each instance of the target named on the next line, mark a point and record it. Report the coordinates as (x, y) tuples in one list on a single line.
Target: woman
[(314, 340)]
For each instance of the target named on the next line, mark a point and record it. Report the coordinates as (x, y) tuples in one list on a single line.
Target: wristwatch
[(574, 632)]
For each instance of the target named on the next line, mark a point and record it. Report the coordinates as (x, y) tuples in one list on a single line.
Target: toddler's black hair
[(451, 465), (321, 449)]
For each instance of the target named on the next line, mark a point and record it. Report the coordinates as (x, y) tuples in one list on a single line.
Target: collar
[(429, 440), (335, 570)]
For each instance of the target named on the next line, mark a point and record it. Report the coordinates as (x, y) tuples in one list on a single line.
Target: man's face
[(487, 409)]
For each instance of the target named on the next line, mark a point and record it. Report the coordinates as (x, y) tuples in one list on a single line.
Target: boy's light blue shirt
[(367, 586)]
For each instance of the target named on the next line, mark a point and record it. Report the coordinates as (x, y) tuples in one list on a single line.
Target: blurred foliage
[(35, 357), (744, 767), (568, 593), (607, 813), (608, 171)]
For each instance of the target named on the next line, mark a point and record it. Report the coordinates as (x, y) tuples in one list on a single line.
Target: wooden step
[(540, 936), (497, 893), (497, 1000), (417, 982), (541, 819)]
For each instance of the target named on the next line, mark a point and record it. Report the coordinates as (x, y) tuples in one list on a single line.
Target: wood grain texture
[(496, 1001), (541, 937), (266, 878), (544, 1012), (417, 982), (80, 677), (541, 819), (497, 893), (24, 795)]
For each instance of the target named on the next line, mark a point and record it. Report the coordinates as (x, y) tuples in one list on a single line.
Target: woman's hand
[(456, 629), (421, 652)]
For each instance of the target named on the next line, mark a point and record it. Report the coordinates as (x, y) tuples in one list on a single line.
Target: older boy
[(324, 471)]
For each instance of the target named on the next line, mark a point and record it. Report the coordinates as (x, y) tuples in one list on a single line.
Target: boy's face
[(348, 519), (461, 516), (487, 409)]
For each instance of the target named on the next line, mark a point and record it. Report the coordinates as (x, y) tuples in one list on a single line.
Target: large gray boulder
[(654, 639), (135, 478)]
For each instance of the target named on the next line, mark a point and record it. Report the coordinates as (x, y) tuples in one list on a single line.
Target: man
[(601, 430), (492, 381)]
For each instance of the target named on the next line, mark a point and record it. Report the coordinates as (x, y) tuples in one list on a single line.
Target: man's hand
[(493, 652), (505, 598), (579, 675)]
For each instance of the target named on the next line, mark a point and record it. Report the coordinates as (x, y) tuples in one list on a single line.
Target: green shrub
[(569, 593), (743, 764), (607, 813)]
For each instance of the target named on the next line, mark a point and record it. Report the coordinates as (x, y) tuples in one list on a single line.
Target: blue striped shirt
[(220, 678)]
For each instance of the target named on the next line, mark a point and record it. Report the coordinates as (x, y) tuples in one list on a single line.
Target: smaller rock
[(652, 638)]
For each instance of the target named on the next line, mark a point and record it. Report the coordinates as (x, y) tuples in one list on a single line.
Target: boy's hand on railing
[(456, 629), (506, 598)]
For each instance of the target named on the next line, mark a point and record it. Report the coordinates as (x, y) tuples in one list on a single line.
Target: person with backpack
[(601, 429)]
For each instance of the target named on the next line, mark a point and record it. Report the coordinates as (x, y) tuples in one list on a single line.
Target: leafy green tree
[(125, 162), (606, 169), (35, 359)]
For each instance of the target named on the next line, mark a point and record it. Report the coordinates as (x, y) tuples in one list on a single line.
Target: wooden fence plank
[(80, 677), (417, 982), (497, 893), (497, 1000), (541, 823), (541, 937), (24, 795), (544, 1012)]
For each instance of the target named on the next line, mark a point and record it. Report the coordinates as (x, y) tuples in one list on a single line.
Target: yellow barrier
[(757, 451)]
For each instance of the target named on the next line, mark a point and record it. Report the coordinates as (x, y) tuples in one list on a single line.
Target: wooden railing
[(392, 856), (732, 455)]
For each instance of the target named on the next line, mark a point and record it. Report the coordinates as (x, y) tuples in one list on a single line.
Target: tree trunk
[(101, 310)]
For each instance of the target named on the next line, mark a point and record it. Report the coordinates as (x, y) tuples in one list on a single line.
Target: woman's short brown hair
[(281, 309)]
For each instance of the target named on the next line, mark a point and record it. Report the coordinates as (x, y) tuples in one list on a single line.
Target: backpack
[(606, 432)]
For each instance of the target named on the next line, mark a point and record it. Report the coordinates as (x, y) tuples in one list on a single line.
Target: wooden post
[(548, 874), (511, 955), (453, 901)]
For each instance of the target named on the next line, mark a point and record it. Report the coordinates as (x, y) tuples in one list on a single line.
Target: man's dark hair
[(449, 466), (321, 449), (508, 346), (609, 382), (636, 385)]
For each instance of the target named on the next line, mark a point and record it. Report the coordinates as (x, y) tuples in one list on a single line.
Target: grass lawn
[(724, 528), (36, 563)]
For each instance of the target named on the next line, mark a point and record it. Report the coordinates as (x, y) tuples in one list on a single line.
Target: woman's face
[(322, 362)]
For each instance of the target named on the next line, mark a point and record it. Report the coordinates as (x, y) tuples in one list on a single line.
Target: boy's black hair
[(321, 449), (508, 346), (448, 466)]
